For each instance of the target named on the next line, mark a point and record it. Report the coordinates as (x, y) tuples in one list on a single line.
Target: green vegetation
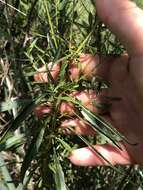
[(34, 151)]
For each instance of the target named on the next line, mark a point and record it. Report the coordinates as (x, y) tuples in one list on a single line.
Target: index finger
[(125, 20)]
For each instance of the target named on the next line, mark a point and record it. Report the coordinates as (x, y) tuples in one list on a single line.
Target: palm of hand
[(126, 115), (126, 78)]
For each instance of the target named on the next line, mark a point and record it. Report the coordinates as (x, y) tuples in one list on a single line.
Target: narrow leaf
[(6, 176), (18, 120), (32, 151), (12, 142), (59, 175), (13, 104), (98, 128)]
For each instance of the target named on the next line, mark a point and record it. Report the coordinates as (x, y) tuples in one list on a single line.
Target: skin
[(125, 75)]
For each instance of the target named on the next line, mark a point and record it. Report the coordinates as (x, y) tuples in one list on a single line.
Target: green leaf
[(13, 104), (104, 128), (97, 127), (12, 142), (59, 175), (32, 151), (98, 153), (18, 120), (6, 175), (65, 145)]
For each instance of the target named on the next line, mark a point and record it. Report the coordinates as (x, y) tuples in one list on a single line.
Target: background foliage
[(33, 151)]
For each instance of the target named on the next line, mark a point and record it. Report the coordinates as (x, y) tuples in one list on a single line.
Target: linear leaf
[(13, 104), (12, 142), (6, 176), (107, 134), (32, 151), (18, 120), (97, 152), (106, 126), (59, 175)]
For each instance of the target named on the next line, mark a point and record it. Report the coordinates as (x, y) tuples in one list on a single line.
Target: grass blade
[(18, 120), (59, 175), (12, 142), (32, 151), (107, 134), (6, 176), (9, 105)]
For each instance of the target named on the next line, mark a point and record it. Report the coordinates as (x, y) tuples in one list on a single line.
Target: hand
[(125, 75)]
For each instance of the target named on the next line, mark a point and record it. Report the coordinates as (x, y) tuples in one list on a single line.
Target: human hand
[(125, 75)]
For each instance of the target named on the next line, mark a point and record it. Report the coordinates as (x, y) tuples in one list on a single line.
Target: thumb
[(88, 157), (125, 20)]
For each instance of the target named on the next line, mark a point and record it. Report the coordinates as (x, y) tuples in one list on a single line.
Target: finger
[(89, 66), (80, 127), (90, 100), (124, 19), (42, 74), (42, 111), (67, 108), (88, 157)]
